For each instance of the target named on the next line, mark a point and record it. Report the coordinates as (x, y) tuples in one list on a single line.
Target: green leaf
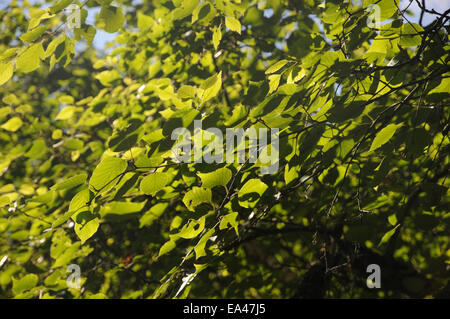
[(13, 124), (192, 229), (108, 77), (393, 219), (61, 220), (161, 71), (186, 91), (32, 35), (5, 111), (387, 8), (274, 68), (73, 144), (8, 53), (219, 177), (251, 192), (190, 5), (80, 200), (211, 87), (25, 283), (66, 99), (37, 150), (86, 225), (154, 182), (167, 247), (331, 14), (203, 14), (86, 32), (388, 235), (45, 198), (152, 214), (111, 19), (186, 9), (199, 249), (4, 200), (291, 173), (197, 196), (71, 182), (52, 46), (107, 173), (443, 87), (6, 72), (53, 279), (122, 208), (104, 2), (229, 220), (30, 59), (61, 4), (217, 36), (384, 136), (233, 24), (144, 21), (68, 253), (410, 35), (274, 81), (66, 113)]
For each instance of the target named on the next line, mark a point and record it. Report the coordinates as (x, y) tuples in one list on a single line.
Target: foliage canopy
[(86, 175)]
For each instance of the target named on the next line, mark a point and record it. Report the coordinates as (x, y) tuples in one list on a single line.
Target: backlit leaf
[(383, 136), (154, 182), (106, 173), (219, 177), (233, 24)]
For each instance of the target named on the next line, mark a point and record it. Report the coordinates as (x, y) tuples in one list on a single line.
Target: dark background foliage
[(86, 175)]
